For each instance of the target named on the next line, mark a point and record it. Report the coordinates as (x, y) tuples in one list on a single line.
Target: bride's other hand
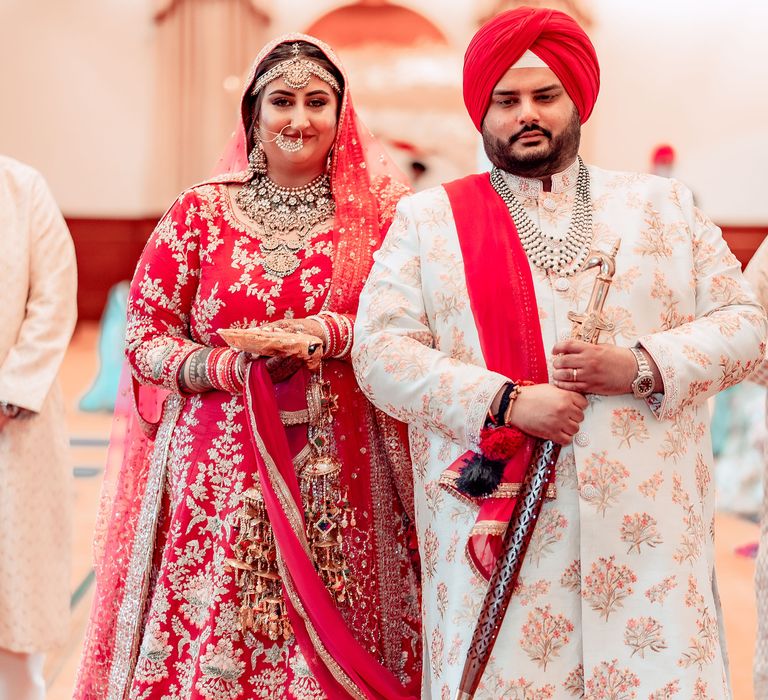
[(298, 325), (283, 367)]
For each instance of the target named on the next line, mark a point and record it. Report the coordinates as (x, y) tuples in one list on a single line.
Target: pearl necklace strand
[(562, 256)]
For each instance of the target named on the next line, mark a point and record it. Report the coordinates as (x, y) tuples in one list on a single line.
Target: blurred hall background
[(123, 103)]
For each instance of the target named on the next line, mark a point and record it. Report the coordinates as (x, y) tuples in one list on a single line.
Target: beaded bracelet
[(510, 393), (508, 409)]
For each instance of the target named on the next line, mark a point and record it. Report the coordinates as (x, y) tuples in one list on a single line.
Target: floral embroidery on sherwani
[(616, 597)]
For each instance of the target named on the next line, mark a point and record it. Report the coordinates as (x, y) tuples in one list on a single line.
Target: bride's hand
[(283, 367), (284, 361), (298, 325)]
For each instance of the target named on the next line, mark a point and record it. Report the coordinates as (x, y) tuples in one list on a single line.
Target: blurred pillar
[(204, 48), (406, 82)]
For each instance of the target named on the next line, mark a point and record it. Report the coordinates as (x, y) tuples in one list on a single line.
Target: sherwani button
[(589, 492), (581, 439), (549, 204), (562, 284)]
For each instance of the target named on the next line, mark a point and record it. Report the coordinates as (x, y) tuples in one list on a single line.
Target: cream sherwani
[(617, 598), (37, 316)]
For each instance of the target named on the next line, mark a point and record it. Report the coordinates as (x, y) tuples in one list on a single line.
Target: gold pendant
[(321, 465), (280, 261)]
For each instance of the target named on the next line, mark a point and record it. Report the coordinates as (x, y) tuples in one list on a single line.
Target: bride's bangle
[(326, 332), (193, 378)]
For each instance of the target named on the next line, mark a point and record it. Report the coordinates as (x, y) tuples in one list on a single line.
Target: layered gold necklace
[(287, 215)]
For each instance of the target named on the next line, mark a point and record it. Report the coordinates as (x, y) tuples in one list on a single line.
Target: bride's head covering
[(365, 182)]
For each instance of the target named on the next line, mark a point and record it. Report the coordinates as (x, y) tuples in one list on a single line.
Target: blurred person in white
[(37, 317), (757, 274)]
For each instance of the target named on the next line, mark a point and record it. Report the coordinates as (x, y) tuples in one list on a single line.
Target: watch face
[(644, 385)]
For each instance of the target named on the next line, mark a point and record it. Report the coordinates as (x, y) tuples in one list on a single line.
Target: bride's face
[(290, 116)]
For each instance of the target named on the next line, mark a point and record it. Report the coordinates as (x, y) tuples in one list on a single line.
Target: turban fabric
[(553, 36)]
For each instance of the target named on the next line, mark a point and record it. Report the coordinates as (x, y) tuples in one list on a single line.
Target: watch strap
[(642, 385)]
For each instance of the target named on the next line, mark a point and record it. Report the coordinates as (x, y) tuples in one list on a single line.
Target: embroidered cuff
[(662, 404), (481, 402)]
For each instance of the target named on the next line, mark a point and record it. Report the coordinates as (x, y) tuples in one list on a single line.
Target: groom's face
[(532, 127)]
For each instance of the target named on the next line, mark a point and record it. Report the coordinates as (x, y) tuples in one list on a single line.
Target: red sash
[(503, 303)]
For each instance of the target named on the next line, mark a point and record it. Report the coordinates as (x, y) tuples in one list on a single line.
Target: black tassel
[(479, 476)]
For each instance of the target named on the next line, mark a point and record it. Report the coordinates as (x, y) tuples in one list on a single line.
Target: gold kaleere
[(327, 514), (254, 564), (327, 511)]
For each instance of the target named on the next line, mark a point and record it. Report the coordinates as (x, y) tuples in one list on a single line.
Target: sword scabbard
[(587, 327)]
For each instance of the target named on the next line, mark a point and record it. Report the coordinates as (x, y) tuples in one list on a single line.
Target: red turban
[(553, 36)]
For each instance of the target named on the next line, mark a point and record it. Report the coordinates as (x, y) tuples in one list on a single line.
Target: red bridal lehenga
[(227, 566)]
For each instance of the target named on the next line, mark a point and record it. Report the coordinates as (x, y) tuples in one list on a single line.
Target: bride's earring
[(257, 160)]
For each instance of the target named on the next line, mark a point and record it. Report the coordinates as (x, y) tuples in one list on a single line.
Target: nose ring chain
[(288, 145)]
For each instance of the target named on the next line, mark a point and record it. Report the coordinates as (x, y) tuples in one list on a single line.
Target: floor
[(90, 433)]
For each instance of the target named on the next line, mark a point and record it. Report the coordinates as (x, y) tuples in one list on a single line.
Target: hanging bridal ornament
[(327, 511)]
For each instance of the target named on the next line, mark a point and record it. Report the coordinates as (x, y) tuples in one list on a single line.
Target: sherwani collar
[(533, 187)]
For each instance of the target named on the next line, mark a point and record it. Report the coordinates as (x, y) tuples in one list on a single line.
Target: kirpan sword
[(586, 327)]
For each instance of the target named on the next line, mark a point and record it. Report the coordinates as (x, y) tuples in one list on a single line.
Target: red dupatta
[(338, 661), (503, 303)]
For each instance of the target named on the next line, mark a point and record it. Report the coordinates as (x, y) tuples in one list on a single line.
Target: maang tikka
[(296, 72)]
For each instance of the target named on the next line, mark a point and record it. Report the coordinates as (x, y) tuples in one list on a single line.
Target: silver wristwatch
[(642, 386)]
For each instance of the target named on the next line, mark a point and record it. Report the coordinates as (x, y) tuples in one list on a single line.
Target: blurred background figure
[(37, 318), (757, 274), (663, 160), (102, 394), (663, 163)]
